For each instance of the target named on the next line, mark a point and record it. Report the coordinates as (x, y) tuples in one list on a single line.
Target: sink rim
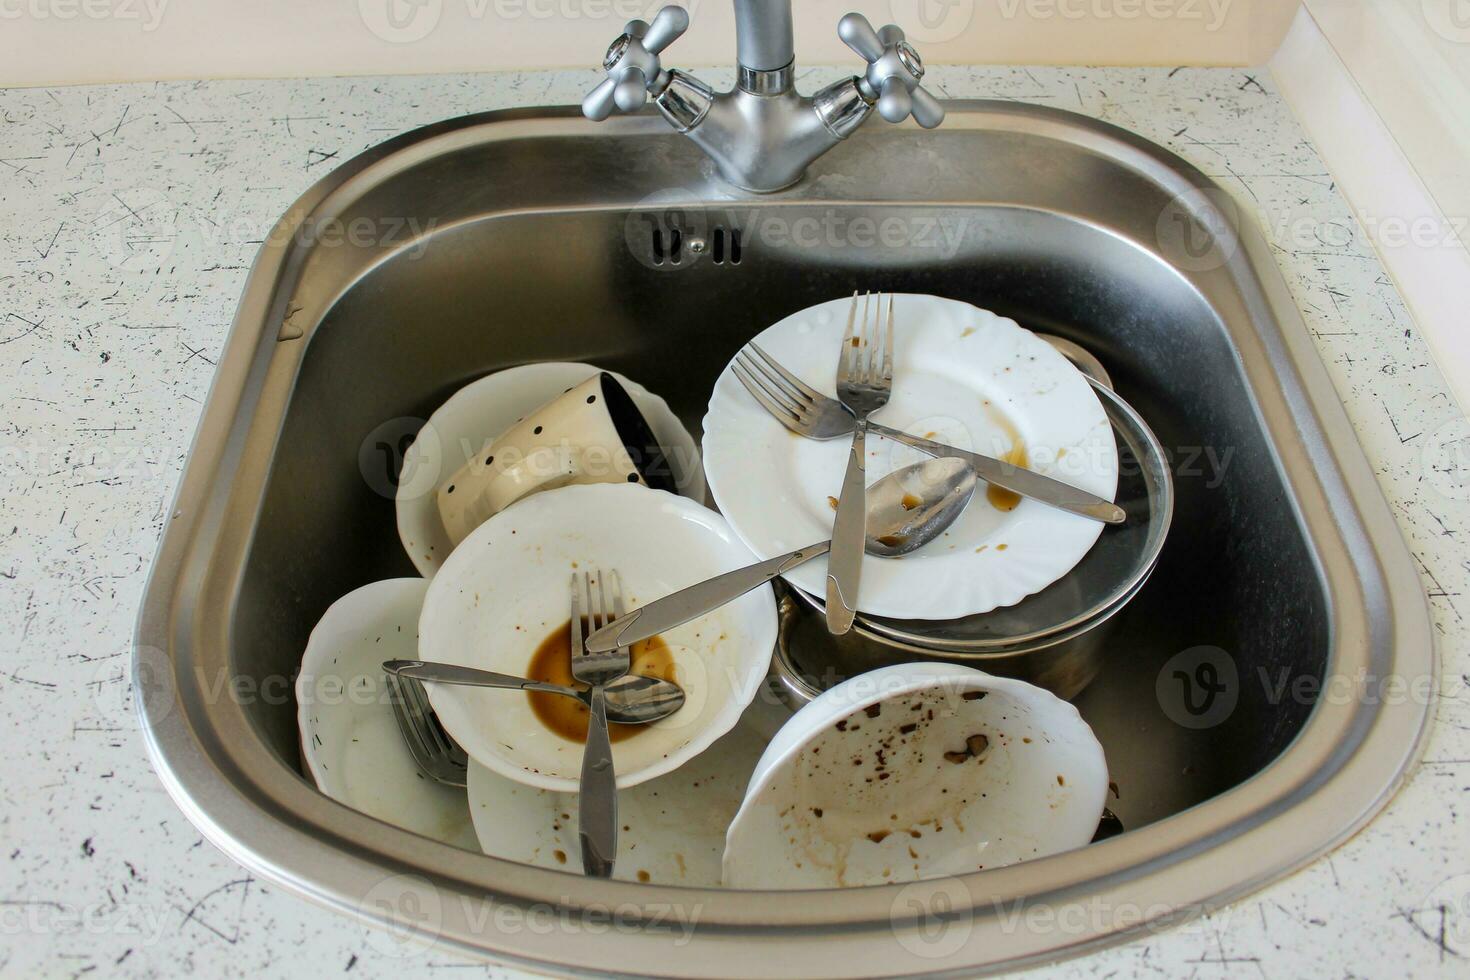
[(1339, 771)]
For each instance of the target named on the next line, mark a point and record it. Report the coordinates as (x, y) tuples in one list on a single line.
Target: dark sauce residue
[(552, 662)]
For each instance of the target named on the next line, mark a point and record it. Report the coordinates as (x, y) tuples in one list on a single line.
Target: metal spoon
[(632, 700), (906, 510)]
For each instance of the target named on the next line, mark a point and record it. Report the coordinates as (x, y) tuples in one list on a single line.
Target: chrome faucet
[(762, 135)]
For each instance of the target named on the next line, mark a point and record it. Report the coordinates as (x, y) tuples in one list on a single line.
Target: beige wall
[(45, 42)]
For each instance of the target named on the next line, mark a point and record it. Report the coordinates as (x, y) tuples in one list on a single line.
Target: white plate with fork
[(349, 737), (962, 376)]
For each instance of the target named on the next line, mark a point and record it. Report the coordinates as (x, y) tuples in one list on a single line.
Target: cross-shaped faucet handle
[(894, 70), (632, 64)]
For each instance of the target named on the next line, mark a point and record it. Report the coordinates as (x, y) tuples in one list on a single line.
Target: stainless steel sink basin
[(552, 238)]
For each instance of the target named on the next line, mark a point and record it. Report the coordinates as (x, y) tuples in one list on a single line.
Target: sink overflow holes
[(669, 246)]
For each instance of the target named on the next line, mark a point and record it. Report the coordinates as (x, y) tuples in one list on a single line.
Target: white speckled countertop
[(130, 215)]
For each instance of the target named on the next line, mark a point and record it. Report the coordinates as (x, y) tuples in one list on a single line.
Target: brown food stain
[(998, 497), (1005, 500), (552, 663)]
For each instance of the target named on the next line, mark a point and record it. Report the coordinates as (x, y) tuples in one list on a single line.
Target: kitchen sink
[(1246, 706)]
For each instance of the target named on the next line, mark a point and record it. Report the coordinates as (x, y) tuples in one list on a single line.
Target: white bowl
[(849, 794), (349, 736), (506, 588), (478, 413)]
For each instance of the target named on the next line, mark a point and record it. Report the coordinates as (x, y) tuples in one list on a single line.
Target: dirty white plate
[(506, 588), (671, 829), (478, 413), (963, 376), (349, 735), (916, 771)]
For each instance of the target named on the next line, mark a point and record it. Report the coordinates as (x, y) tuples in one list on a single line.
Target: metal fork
[(807, 412), (864, 382), (435, 751), (597, 798)]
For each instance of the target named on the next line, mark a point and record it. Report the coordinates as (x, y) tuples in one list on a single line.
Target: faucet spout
[(763, 36)]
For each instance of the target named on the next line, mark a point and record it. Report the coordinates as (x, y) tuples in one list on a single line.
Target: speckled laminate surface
[(129, 216)]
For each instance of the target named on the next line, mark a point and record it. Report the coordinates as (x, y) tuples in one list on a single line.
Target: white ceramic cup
[(590, 433)]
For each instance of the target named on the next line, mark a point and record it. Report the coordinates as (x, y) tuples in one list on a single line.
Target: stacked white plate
[(962, 376)]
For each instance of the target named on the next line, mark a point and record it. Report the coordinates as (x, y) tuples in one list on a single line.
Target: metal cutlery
[(906, 510), (434, 750), (631, 700), (597, 797), (807, 412), (864, 382)]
